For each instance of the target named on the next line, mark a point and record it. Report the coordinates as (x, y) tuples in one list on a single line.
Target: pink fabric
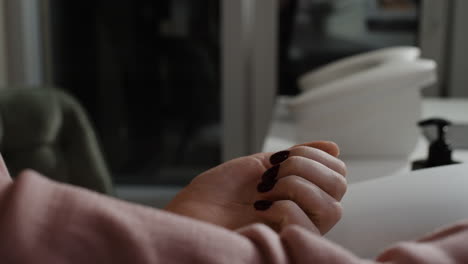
[(46, 222)]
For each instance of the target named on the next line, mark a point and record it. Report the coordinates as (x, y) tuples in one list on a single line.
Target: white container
[(370, 110), (355, 64)]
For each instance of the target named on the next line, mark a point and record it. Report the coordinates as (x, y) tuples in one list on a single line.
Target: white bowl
[(354, 64), (371, 113)]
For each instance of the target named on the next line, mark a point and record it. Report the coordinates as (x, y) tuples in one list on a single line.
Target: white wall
[(3, 47), (458, 81), (23, 40), (444, 39), (248, 74), (434, 33)]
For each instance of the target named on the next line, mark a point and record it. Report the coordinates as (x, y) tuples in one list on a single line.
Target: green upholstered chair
[(48, 131)]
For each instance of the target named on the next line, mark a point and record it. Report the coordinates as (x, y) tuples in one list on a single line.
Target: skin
[(311, 183)]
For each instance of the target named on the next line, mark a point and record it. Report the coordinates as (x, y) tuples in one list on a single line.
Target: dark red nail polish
[(262, 205), (266, 186), (270, 174), (279, 157)]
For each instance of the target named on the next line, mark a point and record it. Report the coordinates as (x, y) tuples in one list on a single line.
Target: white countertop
[(282, 135)]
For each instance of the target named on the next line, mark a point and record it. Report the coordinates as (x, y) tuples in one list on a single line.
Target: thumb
[(327, 146)]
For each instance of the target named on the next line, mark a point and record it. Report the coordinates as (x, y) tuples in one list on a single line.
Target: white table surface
[(282, 135)]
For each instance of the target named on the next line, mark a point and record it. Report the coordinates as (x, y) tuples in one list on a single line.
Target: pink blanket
[(46, 222)]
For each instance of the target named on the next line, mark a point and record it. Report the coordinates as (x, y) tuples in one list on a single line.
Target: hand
[(303, 186)]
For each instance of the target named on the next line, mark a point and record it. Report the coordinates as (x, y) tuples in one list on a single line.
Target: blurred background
[(174, 87)]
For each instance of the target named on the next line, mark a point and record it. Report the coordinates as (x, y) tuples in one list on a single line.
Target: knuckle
[(289, 186), (342, 169), (298, 150), (334, 212), (285, 207), (291, 181), (295, 159), (337, 211), (340, 186), (337, 185), (293, 162), (327, 215), (309, 152)]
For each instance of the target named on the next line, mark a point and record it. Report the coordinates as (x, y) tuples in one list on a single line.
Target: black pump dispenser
[(440, 151)]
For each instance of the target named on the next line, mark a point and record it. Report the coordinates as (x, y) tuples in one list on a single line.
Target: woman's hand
[(302, 185)]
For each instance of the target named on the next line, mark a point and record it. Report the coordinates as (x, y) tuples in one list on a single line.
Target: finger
[(322, 209), (327, 146), (320, 156), (325, 178), (284, 213)]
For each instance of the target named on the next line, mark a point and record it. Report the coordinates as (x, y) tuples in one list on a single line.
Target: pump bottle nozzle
[(440, 151)]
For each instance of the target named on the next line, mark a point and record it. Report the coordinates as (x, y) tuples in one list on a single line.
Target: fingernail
[(271, 173), (262, 205), (279, 157), (266, 186)]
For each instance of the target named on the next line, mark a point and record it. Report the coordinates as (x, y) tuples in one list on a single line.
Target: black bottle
[(440, 151)]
